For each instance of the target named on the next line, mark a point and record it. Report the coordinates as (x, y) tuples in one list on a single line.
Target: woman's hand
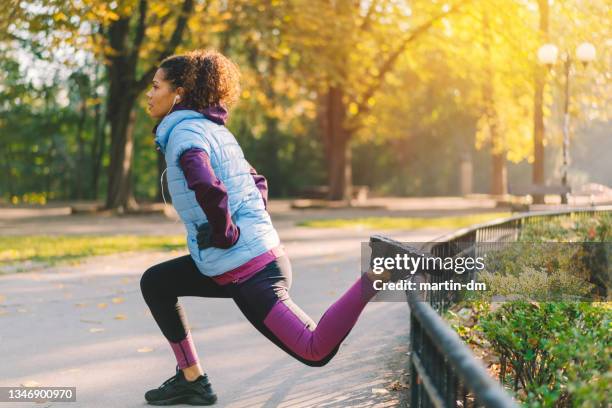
[(204, 236)]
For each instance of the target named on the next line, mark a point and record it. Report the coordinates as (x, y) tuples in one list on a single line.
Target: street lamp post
[(547, 54)]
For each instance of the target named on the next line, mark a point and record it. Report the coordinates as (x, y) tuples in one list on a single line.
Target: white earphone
[(176, 99)]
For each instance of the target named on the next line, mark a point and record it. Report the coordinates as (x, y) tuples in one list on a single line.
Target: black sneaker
[(177, 390)]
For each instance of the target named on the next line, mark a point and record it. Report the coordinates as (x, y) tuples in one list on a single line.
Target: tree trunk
[(332, 113), (97, 150), (336, 139), (97, 147), (80, 164), (499, 181), (120, 103), (271, 139), (119, 189), (272, 145), (339, 170), (8, 170), (538, 115), (129, 153), (124, 88)]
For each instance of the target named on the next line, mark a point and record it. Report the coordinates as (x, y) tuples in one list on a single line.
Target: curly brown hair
[(208, 77)]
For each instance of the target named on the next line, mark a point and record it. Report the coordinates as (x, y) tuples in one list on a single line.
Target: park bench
[(535, 190), (538, 189)]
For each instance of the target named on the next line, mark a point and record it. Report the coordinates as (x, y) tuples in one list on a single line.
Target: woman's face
[(161, 96)]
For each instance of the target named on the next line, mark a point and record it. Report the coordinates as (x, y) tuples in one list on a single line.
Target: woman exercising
[(234, 250)]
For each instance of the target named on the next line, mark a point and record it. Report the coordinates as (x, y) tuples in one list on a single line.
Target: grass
[(52, 250), (404, 223)]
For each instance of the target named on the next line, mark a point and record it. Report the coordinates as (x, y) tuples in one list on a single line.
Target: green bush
[(553, 354), (535, 284), (569, 229), (558, 354), (563, 259), (540, 271)]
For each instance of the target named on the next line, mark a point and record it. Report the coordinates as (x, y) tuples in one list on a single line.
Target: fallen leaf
[(125, 280), (30, 384), (380, 391), (80, 304), (145, 350), (397, 386), (118, 300), (2, 298), (102, 305), (91, 321), (71, 370), (96, 330), (59, 285), (22, 310), (465, 313), (120, 317)]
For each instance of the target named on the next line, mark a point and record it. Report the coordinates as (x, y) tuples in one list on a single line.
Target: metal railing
[(444, 372), (508, 229)]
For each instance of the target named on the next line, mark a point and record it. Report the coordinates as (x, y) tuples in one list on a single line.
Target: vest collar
[(217, 114), (164, 128)]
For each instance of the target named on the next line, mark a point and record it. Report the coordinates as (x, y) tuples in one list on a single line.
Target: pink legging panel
[(314, 342)]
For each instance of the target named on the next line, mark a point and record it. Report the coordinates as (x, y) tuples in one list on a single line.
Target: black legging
[(264, 300)]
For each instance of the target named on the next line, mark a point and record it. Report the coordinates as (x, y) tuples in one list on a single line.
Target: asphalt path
[(87, 326)]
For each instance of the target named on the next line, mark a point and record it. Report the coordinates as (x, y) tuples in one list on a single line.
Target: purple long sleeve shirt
[(211, 194), (262, 185)]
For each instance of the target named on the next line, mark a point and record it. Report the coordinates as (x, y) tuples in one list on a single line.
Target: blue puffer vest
[(185, 129)]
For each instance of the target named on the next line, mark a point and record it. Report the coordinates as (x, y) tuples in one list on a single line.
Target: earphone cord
[(176, 98), (161, 183), (161, 179)]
